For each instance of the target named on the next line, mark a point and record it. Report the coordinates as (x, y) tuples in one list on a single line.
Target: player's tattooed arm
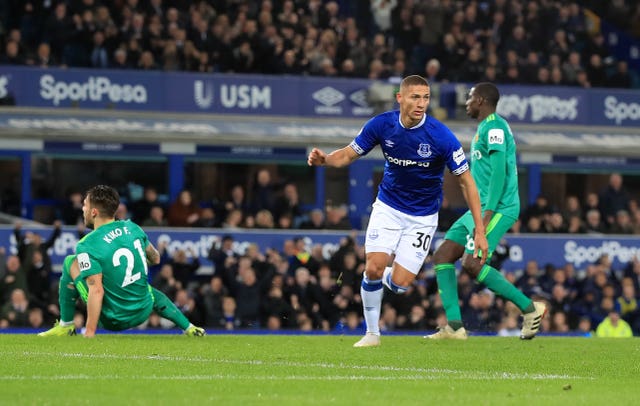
[(153, 256)]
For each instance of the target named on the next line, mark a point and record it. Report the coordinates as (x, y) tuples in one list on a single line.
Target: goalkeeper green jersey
[(494, 134), (117, 251)]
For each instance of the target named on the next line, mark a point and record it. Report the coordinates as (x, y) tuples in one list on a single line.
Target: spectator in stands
[(628, 303), (622, 223), (613, 198), (15, 312), (213, 295), (165, 282), (275, 305), (223, 256), (555, 223), (43, 58), (36, 318), (559, 323), (207, 218), (72, 209), (289, 202), (233, 220), (539, 208), (575, 225), (141, 209), (529, 279), (263, 192), (264, 219), (14, 278), (336, 218), (99, 56), (183, 212), (183, 269), (236, 201), (11, 54), (592, 202), (248, 293), (122, 213), (621, 77), (432, 71), (185, 302), (614, 327), (596, 72), (58, 31), (572, 207), (571, 67), (381, 12), (156, 218)]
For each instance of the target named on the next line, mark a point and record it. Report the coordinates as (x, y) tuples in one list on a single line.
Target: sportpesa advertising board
[(291, 96), (557, 250)]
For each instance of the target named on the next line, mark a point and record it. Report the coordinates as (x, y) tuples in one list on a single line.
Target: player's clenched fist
[(316, 157)]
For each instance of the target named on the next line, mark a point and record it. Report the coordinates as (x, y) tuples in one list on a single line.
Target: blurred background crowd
[(505, 41), (298, 287)]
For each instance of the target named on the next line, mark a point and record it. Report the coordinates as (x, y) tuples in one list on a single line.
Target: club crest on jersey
[(424, 150), (373, 234)]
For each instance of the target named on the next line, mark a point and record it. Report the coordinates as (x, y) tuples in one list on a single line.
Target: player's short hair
[(489, 92), (414, 80), (104, 198)]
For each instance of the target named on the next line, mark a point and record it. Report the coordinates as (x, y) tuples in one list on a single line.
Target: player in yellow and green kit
[(109, 272), (494, 170)]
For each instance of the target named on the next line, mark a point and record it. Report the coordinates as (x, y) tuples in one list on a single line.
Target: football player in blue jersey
[(417, 148)]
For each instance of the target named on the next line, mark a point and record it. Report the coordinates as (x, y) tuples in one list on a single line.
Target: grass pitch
[(319, 370)]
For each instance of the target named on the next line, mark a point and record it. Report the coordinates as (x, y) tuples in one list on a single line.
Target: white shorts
[(393, 232)]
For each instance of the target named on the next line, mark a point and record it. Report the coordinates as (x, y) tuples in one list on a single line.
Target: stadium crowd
[(296, 287), (504, 41)]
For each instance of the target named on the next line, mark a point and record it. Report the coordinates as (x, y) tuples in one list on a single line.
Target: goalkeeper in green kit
[(109, 272), (493, 167)]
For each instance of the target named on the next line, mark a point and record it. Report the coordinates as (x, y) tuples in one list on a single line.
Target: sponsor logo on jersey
[(405, 162), (424, 150), (496, 136), (389, 143), (83, 261)]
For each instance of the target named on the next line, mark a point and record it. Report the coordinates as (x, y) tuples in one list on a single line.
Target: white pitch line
[(450, 373), (217, 377)]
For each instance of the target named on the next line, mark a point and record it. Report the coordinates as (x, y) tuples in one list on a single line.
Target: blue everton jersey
[(415, 160)]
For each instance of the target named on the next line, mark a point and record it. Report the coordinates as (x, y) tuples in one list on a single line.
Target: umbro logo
[(328, 96)]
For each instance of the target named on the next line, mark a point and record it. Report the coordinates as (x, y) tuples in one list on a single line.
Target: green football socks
[(165, 308), (448, 289), (67, 295), (498, 284)]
